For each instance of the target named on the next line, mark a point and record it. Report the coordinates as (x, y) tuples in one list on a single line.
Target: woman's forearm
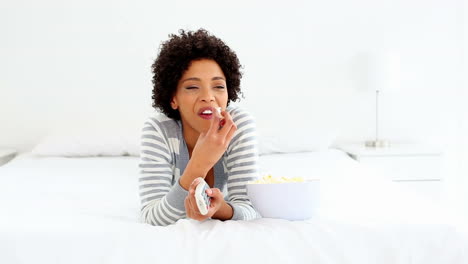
[(191, 172), (224, 213)]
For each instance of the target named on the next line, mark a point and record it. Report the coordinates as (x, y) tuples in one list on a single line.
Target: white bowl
[(290, 201)]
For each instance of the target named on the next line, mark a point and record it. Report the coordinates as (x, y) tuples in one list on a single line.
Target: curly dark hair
[(174, 59)]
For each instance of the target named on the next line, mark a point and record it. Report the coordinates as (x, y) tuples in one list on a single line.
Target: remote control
[(203, 200)]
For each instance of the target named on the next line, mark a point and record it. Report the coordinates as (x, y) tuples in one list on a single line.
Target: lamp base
[(377, 144)]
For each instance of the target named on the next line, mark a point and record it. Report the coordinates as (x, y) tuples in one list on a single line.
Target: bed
[(86, 210)]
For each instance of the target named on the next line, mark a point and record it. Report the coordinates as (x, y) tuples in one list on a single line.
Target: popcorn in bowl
[(285, 198), (270, 179)]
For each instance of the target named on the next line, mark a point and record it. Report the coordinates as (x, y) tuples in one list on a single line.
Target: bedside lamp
[(383, 76)]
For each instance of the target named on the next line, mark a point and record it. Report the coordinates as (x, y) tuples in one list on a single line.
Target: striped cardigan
[(164, 156)]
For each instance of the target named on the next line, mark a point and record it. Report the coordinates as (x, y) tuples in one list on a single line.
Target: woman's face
[(202, 87)]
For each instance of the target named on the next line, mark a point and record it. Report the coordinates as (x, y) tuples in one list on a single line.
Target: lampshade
[(383, 71)]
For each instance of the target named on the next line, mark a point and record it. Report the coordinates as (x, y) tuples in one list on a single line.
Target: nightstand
[(6, 155), (415, 166)]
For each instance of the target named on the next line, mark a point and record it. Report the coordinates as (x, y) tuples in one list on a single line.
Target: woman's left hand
[(191, 208)]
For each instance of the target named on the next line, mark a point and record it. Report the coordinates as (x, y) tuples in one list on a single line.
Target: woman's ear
[(174, 104)]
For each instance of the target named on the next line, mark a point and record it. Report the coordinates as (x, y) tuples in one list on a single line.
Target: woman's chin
[(201, 128), (205, 127)]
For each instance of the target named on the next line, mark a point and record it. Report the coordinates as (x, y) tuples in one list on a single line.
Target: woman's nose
[(207, 96)]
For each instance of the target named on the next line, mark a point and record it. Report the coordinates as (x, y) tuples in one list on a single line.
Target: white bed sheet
[(86, 210)]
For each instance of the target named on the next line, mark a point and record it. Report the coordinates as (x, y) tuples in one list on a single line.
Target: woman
[(194, 74)]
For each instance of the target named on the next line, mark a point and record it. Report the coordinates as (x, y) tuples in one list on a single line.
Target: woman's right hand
[(191, 208), (213, 143)]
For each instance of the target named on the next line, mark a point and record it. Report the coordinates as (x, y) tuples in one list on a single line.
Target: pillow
[(294, 141), (111, 134), (125, 141), (90, 141), (289, 135), (119, 134), (292, 126)]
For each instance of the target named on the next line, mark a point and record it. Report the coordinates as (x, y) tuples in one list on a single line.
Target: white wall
[(463, 112), (65, 61)]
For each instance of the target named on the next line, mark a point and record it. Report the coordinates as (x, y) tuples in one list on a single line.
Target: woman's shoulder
[(161, 122), (244, 138), (239, 114)]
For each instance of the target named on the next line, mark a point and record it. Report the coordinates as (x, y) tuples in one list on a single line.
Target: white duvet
[(85, 210)]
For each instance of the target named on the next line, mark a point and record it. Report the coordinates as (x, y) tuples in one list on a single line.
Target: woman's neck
[(190, 136)]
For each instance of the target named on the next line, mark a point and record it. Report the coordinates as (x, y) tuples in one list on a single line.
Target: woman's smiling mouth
[(209, 112), (206, 112)]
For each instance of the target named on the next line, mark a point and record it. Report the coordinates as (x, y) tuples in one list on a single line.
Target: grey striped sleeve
[(161, 203), (242, 166)]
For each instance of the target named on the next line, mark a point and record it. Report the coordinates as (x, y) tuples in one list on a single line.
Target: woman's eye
[(220, 87), (191, 88)]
